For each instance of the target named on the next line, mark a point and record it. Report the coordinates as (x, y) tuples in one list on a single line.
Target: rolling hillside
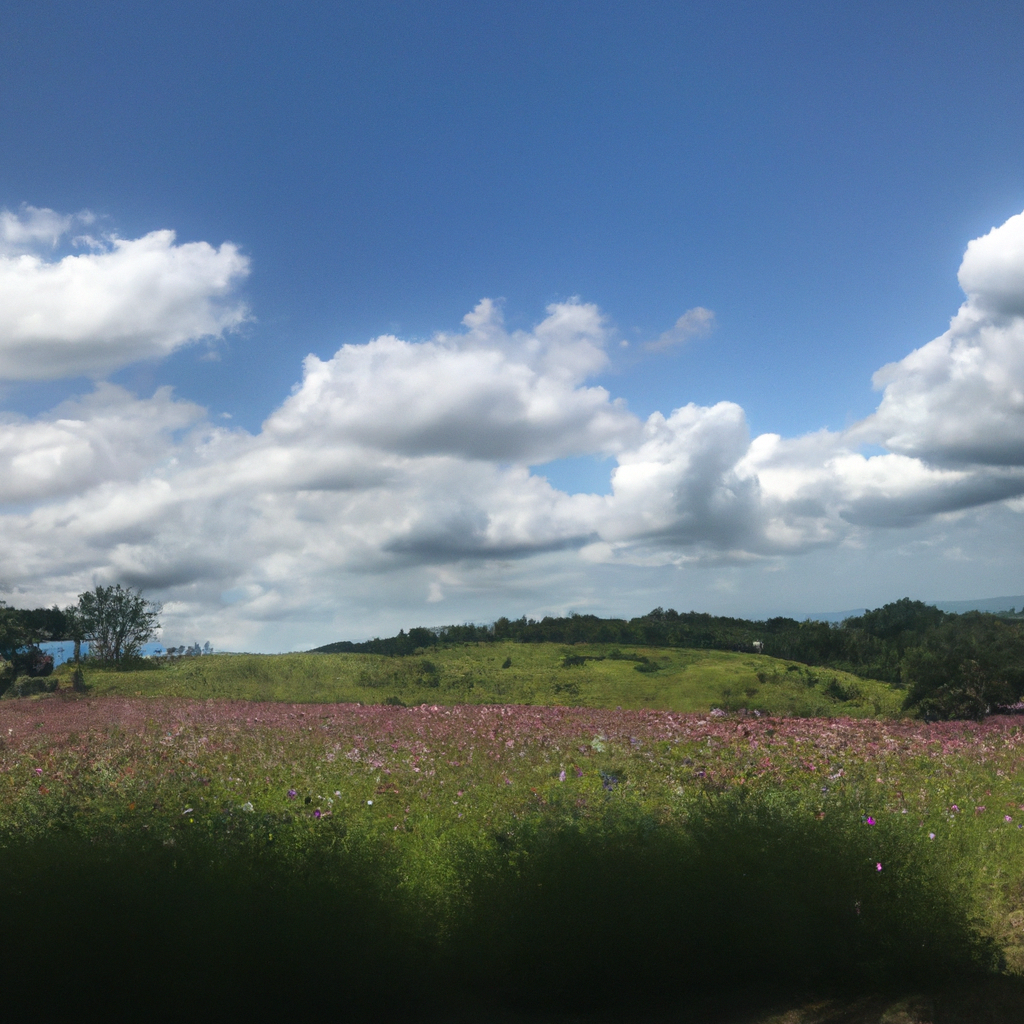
[(595, 675)]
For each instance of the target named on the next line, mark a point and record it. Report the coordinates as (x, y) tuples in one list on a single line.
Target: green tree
[(966, 666), (14, 634), (116, 621)]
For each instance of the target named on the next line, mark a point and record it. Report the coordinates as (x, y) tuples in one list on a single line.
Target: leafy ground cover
[(348, 858), (598, 675)]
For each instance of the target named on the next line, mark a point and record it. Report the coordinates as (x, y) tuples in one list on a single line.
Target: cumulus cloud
[(408, 462), (91, 313), (959, 400), (481, 394)]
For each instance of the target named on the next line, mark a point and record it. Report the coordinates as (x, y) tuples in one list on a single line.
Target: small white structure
[(758, 647)]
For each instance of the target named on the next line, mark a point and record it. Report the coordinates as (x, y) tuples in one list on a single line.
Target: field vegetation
[(458, 824), (951, 666), (404, 859), (585, 675)]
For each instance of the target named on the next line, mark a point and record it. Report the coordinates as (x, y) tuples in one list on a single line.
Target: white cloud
[(395, 477), (89, 314), (106, 436), (959, 400), (34, 228), (694, 323), (679, 487), (482, 394)]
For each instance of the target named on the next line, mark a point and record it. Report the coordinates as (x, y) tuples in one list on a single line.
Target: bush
[(26, 686), (837, 691)]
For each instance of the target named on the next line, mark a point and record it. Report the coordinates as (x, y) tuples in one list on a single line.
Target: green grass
[(351, 860), (682, 680)]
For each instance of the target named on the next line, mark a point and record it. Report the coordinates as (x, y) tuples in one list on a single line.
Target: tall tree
[(116, 621), (13, 632)]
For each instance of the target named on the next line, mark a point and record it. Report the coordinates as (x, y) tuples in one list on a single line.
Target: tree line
[(952, 666)]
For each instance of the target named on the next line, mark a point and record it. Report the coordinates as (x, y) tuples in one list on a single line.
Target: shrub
[(26, 686), (837, 691)]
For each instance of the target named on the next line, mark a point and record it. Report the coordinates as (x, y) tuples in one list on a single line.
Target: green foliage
[(27, 686), (748, 889), (20, 630), (117, 621), (901, 620), (902, 641), (842, 692), (965, 666), (660, 860), (14, 632)]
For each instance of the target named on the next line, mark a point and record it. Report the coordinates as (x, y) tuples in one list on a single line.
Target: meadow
[(338, 859), (549, 674)]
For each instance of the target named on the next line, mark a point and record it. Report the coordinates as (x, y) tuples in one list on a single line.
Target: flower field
[(540, 855)]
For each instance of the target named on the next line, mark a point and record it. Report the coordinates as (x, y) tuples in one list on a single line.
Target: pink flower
[(39, 771), (870, 821), (1006, 817), (878, 866)]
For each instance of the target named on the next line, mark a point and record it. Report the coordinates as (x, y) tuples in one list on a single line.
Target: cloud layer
[(398, 464)]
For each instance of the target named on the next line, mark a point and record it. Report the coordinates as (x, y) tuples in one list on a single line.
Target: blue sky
[(810, 173)]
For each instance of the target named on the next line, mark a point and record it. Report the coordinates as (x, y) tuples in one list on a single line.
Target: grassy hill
[(591, 675)]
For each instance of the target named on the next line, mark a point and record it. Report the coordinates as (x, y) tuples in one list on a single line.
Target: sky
[(318, 321)]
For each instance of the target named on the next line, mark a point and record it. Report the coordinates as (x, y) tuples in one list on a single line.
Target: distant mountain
[(983, 604), (831, 616)]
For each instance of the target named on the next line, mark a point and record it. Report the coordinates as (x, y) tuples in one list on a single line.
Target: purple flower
[(316, 814), (870, 821), (292, 794), (39, 771), (561, 775), (878, 866)]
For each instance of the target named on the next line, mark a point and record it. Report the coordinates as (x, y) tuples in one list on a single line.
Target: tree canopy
[(116, 621)]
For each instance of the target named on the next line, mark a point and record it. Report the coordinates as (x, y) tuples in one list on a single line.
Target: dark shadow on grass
[(749, 898), (744, 906)]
